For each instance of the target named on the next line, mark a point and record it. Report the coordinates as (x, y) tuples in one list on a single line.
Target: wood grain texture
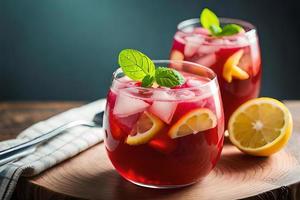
[(16, 116), (91, 176)]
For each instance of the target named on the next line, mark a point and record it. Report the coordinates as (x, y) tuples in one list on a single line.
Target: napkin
[(66, 145)]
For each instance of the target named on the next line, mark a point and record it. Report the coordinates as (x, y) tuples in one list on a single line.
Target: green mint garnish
[(230, 29), (168, 77), (135, 64), (148, 81), (209, 18), (140, 67), (215, 30), (210, 21)]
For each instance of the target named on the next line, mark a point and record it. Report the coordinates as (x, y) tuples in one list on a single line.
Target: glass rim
[(212, 81), (188, 22)]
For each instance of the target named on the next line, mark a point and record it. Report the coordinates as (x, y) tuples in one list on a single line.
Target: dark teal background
[(67, 49)]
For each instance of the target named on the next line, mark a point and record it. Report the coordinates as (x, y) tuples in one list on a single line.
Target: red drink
[(193, 43), (164, 158)]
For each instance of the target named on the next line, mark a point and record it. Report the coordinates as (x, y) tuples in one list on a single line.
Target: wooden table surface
[(16, 116)]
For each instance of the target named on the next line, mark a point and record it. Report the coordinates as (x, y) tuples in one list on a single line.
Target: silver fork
[(16, 152)]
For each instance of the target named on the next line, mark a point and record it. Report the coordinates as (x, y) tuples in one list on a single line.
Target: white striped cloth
[(66, 145)]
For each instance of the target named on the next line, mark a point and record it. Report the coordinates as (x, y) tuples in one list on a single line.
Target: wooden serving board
[(91, 176)]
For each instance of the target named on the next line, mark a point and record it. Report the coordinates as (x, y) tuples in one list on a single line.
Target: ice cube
[(190, 49), (256, 59), (228, 42), (123, 82), (207, 49), (198, 89), (164, 110), (217, 42), (241, 41), (202, 31), (179, 37), (128, 123), (194, 39), (184, 94), (207, 60), (188, 29), (195, 82), (245, 62), (127, 105), (163, 106), (141, 92), (163, 94), (192, 45)]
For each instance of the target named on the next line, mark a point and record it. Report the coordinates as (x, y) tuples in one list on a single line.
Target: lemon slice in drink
[(176, 55), (231, 69), (260, 126), (147, 126), (197, 120)]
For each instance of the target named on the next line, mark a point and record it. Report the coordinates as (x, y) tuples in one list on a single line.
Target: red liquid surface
[(200, 48), (164, 161)]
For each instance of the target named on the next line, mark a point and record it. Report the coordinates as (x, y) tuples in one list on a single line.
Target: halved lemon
[(231, 69), (261, 126), (147, 126), (197, 120)]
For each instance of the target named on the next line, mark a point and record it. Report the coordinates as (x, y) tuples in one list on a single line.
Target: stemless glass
[(151, 136), (194, 43)]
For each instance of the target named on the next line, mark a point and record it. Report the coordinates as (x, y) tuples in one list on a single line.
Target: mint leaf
[(168, 77), (208, 18), (139, 67), (147, 81), (230, 29), (215, 30), (210, 21), (135, 64)]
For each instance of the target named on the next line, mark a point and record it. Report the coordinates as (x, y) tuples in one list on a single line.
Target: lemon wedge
[(261, 126), (176, 55), (231, 69), (147, 126), (193, 122)]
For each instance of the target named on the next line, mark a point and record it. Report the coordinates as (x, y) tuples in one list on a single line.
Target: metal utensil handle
[(17, 154), (10, 152)]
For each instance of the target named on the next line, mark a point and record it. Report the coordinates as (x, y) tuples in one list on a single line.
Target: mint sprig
[(148, 81), (230, 29), (210, 21), (209, 18), (135, 64), (215, 30), (168, 77), (140, 67)]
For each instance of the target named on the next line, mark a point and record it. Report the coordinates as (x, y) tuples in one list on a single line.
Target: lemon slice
[(176, 55), (232, 70), (147, 126), (261, 126), (197, 120)]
